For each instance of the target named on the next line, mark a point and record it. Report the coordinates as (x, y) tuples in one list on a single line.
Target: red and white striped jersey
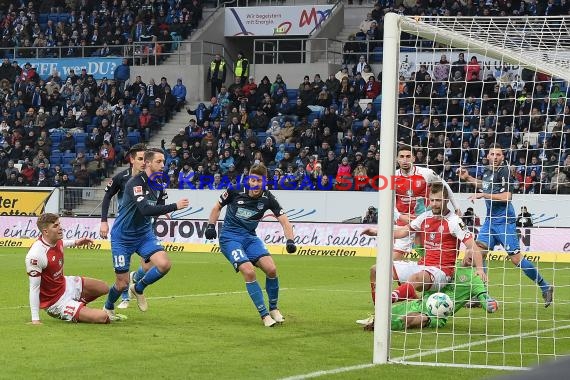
[(412, 186), (442, 238)]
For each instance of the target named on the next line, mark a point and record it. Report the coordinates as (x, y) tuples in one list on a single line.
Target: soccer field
[(201, 324)]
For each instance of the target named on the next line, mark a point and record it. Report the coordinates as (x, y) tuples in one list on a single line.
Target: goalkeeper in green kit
[(414, 314)]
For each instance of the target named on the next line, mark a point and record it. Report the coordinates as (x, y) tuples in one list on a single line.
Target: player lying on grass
[(414, 314), (443, 231), (63, 297)]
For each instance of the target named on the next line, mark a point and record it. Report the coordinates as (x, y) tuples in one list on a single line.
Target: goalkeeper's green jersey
[(467, 285)]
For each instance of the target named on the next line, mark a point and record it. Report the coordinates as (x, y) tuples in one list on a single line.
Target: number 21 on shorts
[(237, 255)]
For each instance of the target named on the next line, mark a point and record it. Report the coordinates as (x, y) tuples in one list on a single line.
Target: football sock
[(112, 297), (272, 289), (139, 274), (404, 292), (373, 291), (256, 296), (532, 273), (152, 276)]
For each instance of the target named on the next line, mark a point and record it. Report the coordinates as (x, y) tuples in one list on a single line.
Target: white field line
[(402, 360), (216, 294)]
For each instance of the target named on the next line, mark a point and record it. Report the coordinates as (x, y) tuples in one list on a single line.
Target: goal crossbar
[(538, 43)]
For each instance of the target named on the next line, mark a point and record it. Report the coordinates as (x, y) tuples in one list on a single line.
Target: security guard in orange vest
[(241, 70), (217, 74)]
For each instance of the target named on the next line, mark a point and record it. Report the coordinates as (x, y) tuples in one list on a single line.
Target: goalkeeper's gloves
[(290, 246), (492, 305), (210, 232)]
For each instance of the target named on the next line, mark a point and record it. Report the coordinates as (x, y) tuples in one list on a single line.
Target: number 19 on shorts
[(119, 261)]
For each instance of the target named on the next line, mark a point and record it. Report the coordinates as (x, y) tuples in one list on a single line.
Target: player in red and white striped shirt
[(63, 297), (443, 232)]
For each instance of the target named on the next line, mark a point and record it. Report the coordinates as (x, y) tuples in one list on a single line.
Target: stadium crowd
[(310, 133), (81, 28)]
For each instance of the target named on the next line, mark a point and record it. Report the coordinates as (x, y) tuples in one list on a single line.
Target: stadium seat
[(56, 138), (56, 158), (67, 158), (80, 147), (134, 138), (80, 138), (292, 95), (67, 168)]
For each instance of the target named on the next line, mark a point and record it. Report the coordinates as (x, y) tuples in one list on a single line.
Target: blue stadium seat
[(134, 138), (80, 147), (80, 138), (67, 158), (56, 158), (292, 95), (43, 18), (67, 168), (56, 138)]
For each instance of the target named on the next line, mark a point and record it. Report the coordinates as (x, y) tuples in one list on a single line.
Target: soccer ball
[(439, 305)]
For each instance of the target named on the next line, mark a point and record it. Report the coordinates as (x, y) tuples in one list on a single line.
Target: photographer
[(371, 216)]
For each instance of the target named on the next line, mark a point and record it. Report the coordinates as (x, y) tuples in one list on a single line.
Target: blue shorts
[(505, 234), (239, 249), (122, 250)]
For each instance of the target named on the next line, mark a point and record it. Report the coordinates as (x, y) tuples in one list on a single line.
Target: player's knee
[(271, 272), (373, 270), (248, 274), (164, 267), (516, 257), (122, 284)]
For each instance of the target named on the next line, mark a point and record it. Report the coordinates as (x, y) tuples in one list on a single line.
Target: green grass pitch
[(201, 324)]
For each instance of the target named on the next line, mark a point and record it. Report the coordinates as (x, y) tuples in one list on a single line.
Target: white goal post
[(541, 44)]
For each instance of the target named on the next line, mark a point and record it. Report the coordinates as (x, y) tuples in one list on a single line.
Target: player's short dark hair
[(258, 169), (140, 147), (404, 147), (437, 187), (496, 146), (151, 152), (44, 220)]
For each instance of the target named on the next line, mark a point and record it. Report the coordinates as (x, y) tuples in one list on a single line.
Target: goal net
[(452, 87)]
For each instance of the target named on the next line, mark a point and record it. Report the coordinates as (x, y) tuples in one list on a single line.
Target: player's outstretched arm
[(477, 258), (210, 233), (401, 232), (77, 242), (147, 209), (288, 232), (370, 231), (464, 175)]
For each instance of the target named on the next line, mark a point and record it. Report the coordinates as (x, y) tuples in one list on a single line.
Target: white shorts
[(405, 244), (68, 305), (403, 270)]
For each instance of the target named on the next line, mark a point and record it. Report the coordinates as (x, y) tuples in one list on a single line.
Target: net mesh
[(514, 93)]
